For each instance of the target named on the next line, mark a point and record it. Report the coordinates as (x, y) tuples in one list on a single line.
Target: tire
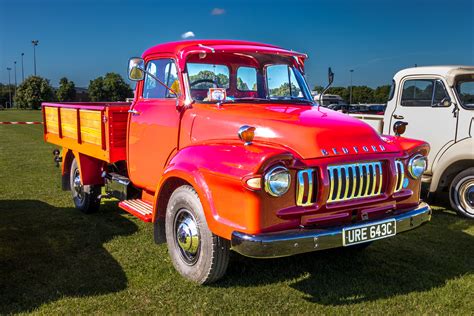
[(198, 255), (461, 193), (85, 197)]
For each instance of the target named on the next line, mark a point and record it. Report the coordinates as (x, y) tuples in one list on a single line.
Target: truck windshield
[(465, 91), (271, 82)]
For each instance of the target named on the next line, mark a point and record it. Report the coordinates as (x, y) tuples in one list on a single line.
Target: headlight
[(417, 165), (277, 181)]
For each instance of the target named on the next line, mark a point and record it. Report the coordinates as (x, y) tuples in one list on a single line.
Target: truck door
[(154, 125), (422, 104)]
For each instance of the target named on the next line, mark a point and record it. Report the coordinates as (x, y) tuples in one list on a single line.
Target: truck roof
[(447, 71), (181, 48)]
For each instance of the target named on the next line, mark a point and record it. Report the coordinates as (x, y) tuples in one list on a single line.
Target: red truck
[(223, 148)]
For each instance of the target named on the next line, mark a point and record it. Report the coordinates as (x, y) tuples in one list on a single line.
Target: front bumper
[(291, 242)]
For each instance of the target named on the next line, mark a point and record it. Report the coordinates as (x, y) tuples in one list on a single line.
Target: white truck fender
[(454, 159)]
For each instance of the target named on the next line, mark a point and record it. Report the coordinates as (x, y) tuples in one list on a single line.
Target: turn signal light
[(255, 183), (399, 128)]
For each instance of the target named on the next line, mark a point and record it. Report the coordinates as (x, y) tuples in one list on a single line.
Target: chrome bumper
[(291, 242)]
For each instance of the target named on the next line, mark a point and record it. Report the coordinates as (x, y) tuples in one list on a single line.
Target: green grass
[(54, 259)]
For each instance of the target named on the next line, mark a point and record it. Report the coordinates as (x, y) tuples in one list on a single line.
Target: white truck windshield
[(465, 90)]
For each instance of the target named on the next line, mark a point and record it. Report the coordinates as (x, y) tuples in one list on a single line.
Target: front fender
[(408, 146), (217, 172)]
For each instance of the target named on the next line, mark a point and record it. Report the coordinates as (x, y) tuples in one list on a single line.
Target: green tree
[(32, 92), (318, 88), (5, 91), (362, 94), (111, 87), (381, 94), (66, 91)]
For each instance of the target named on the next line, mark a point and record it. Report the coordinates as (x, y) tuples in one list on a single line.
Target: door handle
[(398, 117), (134, 112)]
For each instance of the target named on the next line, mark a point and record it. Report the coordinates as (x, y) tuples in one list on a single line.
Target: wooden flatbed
[(98, 130)]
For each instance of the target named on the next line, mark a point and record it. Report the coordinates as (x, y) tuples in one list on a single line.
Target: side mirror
[(136, 69), (445, 102), (330, 76)]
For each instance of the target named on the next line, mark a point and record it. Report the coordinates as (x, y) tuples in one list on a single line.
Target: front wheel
[(85, 197), (461, 193), (197, 254)]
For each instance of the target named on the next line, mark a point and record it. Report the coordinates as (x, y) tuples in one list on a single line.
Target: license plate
[(365, 233)]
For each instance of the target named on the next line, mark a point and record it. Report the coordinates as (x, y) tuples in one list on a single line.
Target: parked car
[(223, 148), (378, 109), (329, 99), (437, 104)]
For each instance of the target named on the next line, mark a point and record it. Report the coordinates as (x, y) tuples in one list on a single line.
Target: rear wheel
[(197, 254), (461, 193), (85, 197)]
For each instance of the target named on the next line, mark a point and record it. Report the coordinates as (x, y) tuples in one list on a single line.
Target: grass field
[(54, 259)]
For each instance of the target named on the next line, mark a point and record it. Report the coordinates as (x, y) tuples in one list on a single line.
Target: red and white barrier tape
[(29, 123)]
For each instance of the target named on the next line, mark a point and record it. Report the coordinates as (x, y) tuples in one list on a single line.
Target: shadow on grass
[(47, 253), (414, 261)]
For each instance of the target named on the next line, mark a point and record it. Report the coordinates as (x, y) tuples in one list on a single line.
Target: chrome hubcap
[(78, 187), (466, 195), (187, 236)]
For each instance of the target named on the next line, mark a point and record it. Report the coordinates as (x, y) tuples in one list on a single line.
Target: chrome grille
[(400, 175), (354, 181)]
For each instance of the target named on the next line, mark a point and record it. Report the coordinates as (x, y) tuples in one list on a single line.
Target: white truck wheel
[(461, 193)]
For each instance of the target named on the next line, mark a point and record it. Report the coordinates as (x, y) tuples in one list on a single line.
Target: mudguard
[(218, 171), (459, 151)]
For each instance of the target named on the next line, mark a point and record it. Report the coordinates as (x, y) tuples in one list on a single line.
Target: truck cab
[(437, 103), (223, 149)]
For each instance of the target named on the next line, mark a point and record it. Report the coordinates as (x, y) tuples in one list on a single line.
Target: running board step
[(138, 208)]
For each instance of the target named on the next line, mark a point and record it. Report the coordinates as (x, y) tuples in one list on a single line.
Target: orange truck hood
[(308, 131)]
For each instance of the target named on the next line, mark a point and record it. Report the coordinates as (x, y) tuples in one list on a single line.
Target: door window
[(424, 92), (439, 94), (417, 93), (282, 83), (165, 70)]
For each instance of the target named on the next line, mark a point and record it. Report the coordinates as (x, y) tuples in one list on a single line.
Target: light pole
[(14, 73), (9, 86), (35, 43), (350, 91), (22, 69)]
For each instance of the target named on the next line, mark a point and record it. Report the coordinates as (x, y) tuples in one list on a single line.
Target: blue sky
[(85, 39)]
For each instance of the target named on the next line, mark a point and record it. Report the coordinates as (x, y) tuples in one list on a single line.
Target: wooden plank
[(91, 127), (51, 120), (69, 123)]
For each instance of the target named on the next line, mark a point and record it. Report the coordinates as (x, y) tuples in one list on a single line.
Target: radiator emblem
[(354, 150)]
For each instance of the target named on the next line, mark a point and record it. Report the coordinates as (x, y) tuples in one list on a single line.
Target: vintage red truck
[(224, 149)]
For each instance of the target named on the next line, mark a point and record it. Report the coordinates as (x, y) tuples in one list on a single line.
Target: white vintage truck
[(437, 104)]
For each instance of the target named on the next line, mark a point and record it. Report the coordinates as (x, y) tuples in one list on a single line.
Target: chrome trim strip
[(400, 175), (301, 186), (291, 242)]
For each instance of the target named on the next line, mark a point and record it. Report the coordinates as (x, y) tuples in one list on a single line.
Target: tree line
[(360, 94), (112, 87), (35, 90)]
